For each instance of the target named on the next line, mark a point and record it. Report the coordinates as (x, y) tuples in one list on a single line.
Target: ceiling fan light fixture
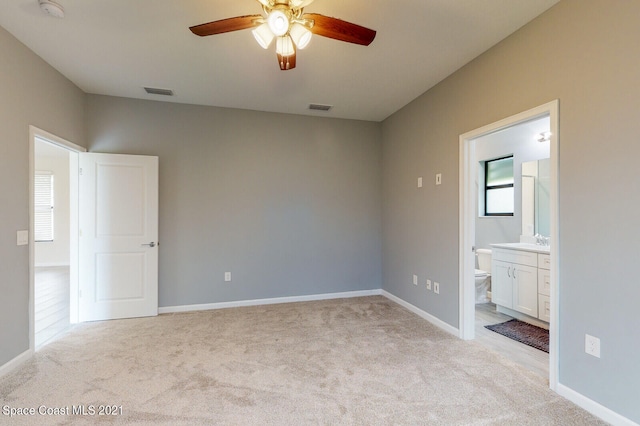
[(284, 46), (263, 35), (285, 21), (300, 35), (278, 23)]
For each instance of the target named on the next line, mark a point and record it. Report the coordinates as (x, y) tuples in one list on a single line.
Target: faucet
[(542, 240)]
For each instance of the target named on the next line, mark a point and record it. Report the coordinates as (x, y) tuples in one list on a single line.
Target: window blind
[(43, 206)]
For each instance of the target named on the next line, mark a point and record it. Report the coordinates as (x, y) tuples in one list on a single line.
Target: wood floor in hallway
[(51, 297), (530, 358)]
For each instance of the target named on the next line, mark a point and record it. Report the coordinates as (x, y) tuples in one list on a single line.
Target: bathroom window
[(43, 203), (498, 187)]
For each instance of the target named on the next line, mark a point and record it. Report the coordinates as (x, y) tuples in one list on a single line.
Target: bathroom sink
[(523, 246)]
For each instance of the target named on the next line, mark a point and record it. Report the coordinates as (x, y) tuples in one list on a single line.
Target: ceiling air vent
[(156, 91), (319, 107)]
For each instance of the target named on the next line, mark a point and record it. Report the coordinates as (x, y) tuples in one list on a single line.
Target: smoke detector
[(51, 8)]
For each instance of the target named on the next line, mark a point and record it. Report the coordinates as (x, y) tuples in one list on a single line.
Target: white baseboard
[(16, 362), (433, 320), (593, 407), (272, 301)]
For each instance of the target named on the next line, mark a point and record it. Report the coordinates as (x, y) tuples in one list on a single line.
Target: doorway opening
[(480, 230), (54, 236)]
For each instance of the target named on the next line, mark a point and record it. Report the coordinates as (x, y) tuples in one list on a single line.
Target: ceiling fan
[(285, 22)]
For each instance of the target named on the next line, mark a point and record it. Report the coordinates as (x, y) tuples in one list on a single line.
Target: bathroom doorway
[(472, 190)]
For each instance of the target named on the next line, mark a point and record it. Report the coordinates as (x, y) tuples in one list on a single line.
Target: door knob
[(151, 244)]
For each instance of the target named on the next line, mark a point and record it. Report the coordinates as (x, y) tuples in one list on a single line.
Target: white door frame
[(468, 193), (73, 241)]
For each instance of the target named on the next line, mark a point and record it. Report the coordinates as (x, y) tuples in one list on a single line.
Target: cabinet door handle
[(509, 272), (514, 272)]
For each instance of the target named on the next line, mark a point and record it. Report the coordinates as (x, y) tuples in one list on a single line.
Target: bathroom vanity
[(520, 284)]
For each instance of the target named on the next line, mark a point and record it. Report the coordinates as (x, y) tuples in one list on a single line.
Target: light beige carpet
[(364, 361)]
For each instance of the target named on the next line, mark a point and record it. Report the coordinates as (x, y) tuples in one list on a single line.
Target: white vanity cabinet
[(544, 287), (514, 280)]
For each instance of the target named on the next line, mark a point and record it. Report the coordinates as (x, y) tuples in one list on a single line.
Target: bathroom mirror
[(536, 210)]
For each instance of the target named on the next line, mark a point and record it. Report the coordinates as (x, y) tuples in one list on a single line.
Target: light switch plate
[(436, 288), (419, 182), (439, 179), (227, 276), (22, 238), (415, 280)]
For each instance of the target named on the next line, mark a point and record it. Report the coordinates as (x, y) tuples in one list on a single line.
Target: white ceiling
[(116, 47)]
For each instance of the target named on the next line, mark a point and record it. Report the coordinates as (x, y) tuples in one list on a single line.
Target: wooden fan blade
[(226, 25), (287, 62), (340, 30)]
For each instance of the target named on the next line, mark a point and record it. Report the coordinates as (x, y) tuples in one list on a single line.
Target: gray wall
[(31, 93), (584, 53), (290, 205)]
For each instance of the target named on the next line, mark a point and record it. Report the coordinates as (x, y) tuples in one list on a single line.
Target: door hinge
[(80, 171)]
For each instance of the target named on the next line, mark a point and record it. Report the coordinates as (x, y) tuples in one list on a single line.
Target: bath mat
[(523, 332)]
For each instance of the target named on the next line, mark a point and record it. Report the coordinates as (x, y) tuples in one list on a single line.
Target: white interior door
[(118, 236)]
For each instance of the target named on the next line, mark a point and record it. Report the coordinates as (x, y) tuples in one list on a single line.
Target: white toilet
[(483, 275)]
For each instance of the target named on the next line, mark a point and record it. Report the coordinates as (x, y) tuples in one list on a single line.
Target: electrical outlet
[(227, 276), (428, 284), (439, 179), (415, 280), (436, 287), (592, 345)]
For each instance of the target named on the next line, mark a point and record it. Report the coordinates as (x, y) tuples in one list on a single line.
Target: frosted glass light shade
[(284, 46), (300, 35), (263, 35), (278, 22)]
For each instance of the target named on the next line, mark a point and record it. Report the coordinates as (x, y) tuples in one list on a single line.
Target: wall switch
[(592, 345), (415, 280), (439, 179), (428, 284), (22, 238), (419, 182), (436, 287), (227, 276)]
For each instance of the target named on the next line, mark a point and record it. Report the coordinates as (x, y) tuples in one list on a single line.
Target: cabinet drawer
[(544, 261), (544, 282), (515, 256), (544, 308)]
